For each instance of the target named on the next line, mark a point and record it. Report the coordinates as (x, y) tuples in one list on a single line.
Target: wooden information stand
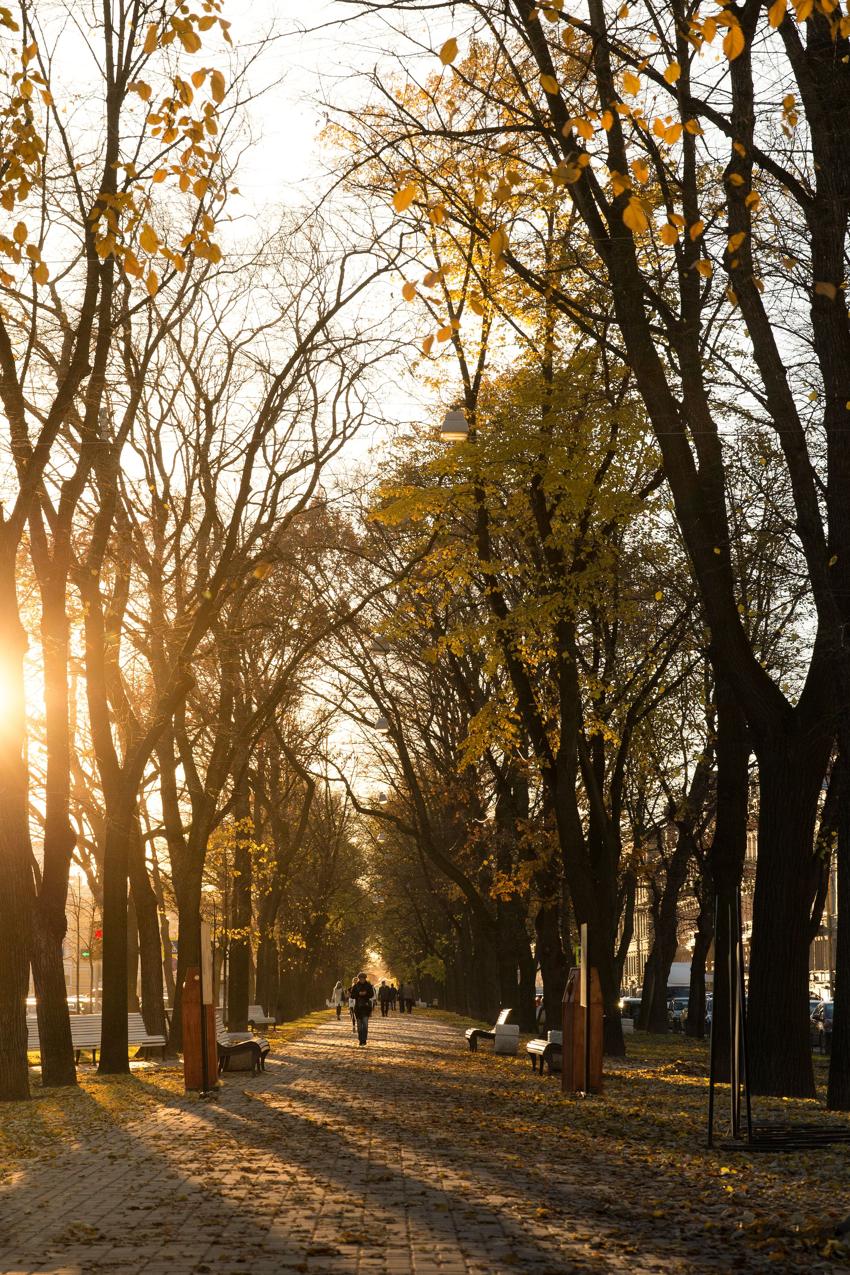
[(200, 1067), (581, 1070)]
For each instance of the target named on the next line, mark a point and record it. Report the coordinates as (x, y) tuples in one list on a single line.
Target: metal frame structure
[(779, 1135)]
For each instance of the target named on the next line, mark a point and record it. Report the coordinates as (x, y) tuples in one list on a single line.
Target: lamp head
[(455, 427)]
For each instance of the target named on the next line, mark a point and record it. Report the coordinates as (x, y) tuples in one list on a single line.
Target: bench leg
[(473, 1043)]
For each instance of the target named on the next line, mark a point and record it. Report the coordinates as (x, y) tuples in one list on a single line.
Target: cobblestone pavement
[(337, 1159)]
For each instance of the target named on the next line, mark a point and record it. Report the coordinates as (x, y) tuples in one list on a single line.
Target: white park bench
[(549, 1051), (474, 1034), (257, 1017), (236, 1047), (86, 1032)]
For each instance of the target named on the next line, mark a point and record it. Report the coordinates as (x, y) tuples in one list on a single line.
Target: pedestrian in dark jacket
[(363, 994), (384, 998)]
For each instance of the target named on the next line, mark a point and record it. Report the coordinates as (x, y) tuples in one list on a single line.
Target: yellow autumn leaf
[(606, 120), (217, 86), (476, 306), (444, 333), (640, 168), (776, 12), (409, 291), (131, 265), (696, 230), (262, 570), (41, 274), (634, 216), (704, 268), (152, 283), (734, 42), (693, 127), (426, 344), (151, 40), (672, 72), (148, 239), (736, 240), (631, 82), (198, 77), (402, 199), (448, 52), (19, 234), (549, 84), (668, 234), (825, 289), (498, 242)]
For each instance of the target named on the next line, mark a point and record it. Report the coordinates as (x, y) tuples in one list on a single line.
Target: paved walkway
[(338, 1159)]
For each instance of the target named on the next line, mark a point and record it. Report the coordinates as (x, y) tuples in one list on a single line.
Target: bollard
[(200, 1067), (581, 1070)]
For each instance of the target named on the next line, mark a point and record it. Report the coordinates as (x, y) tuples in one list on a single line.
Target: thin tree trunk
[(16, 882), (552, 961), (120, 813), (695, 1025), (150, 957), (240, 946), (134, 1005), (50, 922)]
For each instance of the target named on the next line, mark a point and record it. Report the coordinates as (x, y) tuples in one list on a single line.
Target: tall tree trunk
[(240, 946), (515, 962), (695, 1025), (120, 814), (838, 1094), (16, 882), (187, 890), (150, 955), (728, 851), (134, 1005), (50, 922), (551, 959), (790, 778)]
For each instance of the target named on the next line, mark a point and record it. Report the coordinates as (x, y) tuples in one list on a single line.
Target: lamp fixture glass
[(455, 427)]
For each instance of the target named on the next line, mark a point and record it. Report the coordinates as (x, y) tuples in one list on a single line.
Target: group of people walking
[(362, 996)]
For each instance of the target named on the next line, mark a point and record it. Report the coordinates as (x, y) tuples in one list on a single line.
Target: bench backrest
[(503, 1017), (86, 1031)]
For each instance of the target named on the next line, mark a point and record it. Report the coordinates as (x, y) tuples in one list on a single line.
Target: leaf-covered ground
[(415, 1156)]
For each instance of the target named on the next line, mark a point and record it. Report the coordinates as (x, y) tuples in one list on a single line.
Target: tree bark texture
[(838, 1093), (16, 882)]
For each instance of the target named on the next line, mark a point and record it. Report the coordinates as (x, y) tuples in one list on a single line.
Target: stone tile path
[(338, 1159)]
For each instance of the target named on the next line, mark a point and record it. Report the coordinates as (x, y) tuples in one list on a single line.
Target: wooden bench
[(474, 1034), (231, 1045), (257, 1017), (86, 1032), (548, 1051)]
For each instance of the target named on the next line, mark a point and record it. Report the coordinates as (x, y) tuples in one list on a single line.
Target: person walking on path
[(409, 996), (337, 997), (393, 996), (384, 997), (362, 993)]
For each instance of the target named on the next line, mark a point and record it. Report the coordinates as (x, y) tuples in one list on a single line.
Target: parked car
[(677, 1012), (630, 1006), (822, 1027)]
